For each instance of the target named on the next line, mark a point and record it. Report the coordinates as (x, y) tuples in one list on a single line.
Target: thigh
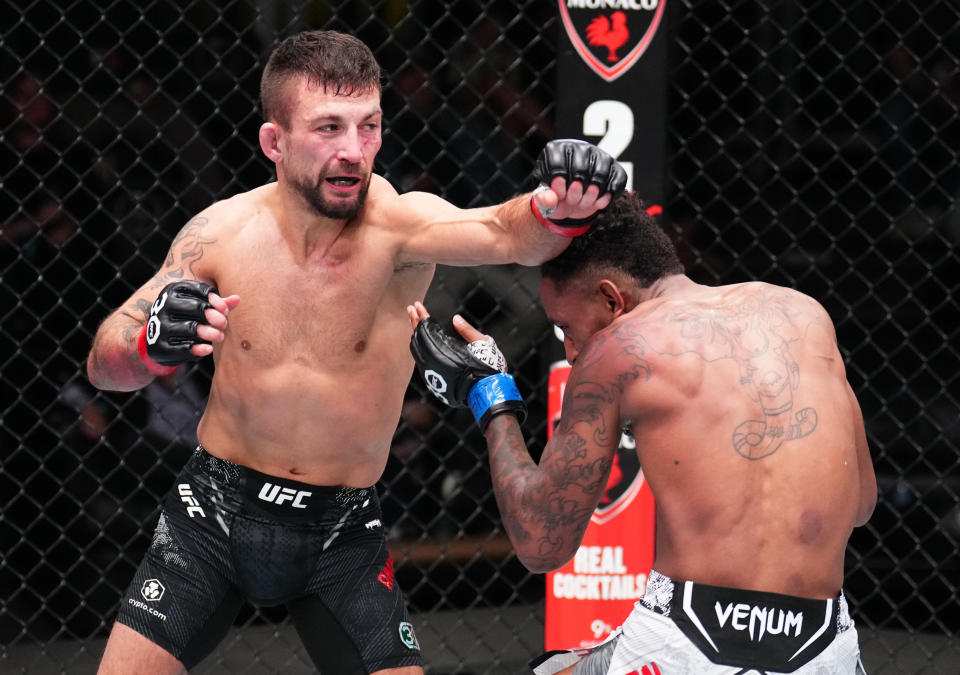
[(128, 651), (841, 657), (652, 643), (181, 597), (580, 661), (354, 614)]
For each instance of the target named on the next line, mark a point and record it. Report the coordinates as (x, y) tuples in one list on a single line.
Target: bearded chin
[(334, 209)]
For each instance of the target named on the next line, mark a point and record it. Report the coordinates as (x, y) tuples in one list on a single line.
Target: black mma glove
[(576, 160), (465, 375), (170, 332)]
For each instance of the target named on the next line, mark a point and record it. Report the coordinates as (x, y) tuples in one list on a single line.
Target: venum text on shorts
[(759, 620)]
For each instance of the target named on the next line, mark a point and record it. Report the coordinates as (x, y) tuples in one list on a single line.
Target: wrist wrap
[(494, 395), (575, 228), (151, 365)]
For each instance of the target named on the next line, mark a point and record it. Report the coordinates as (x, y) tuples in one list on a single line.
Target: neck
[(306, 231), (667, 286)]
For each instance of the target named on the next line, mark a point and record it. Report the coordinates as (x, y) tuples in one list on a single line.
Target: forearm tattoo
[(545, 509), (544, 517), (114, 354)]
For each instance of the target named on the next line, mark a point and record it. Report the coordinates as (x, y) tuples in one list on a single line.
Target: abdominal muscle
[(303, 423)]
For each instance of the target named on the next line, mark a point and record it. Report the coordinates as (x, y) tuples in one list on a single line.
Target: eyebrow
[(335, 117)]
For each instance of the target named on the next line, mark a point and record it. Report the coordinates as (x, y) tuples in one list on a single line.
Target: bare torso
[(310, 379), (747, 433)]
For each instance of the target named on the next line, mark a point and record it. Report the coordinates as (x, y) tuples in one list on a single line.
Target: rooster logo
[(610, 44), (611, 33)]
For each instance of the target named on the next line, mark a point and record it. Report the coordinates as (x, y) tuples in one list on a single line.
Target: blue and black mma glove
[(575, 160), (171, 329), (466, 374)]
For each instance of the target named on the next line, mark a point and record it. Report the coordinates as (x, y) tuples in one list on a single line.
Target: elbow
[(541, 565), (101, 383), (93, 374), (99, 376), (539, 562)]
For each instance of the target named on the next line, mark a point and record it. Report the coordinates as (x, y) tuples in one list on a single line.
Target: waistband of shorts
[(278, 496), (660, 590)]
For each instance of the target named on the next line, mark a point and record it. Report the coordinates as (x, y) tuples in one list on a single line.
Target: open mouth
[(343, 181)]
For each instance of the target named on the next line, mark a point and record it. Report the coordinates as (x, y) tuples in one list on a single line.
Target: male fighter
[(313, 273), (747, 431)]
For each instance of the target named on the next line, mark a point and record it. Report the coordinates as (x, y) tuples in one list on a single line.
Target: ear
[(613, 297), (269, 141)]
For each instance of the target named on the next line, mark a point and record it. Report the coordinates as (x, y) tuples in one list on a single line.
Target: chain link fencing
[(809, 144)]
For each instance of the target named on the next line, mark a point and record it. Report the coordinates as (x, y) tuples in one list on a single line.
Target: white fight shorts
[(680, 627)]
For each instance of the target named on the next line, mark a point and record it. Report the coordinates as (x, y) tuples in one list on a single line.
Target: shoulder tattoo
[(756, 333), (186, 250)]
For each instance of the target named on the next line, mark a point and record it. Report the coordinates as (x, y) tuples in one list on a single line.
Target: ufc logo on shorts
[(186, 496), (278, 495)]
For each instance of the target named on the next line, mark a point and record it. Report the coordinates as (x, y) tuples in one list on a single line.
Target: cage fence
[(809, 144)]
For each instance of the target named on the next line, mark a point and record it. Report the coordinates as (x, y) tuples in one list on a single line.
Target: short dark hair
[(339, 63), (625, 237)]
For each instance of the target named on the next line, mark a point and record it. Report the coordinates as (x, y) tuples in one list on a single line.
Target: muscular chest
[(320, 307)]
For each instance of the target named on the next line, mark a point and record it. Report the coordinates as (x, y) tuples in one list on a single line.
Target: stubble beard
[(336, 210)]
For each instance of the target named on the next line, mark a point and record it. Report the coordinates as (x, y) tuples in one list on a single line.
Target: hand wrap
[(575, 160), (465, 375), (171, 330)]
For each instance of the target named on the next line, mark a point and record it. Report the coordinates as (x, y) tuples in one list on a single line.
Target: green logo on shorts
[(407, 637)]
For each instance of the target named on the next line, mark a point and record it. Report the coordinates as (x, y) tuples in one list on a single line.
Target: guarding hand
[(460, 373), (186, 318)]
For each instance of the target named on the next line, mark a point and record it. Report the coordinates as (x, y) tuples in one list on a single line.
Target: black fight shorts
[(228, 534)]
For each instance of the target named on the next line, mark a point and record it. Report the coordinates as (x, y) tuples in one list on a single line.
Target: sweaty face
[(329, 146), (578, 309)]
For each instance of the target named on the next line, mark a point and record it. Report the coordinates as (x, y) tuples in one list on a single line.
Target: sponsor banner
[(592, 594), (611, 84)]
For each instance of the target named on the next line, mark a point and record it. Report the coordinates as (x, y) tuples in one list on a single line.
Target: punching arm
[(576, 180)]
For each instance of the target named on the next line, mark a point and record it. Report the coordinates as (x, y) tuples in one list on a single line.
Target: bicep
[(435, 231), (187, 258)]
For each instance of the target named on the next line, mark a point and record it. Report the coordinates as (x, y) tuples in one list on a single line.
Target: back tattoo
[(756, 331)]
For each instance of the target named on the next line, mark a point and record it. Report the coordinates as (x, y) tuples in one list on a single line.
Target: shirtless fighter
[(313, 273), (747, 431)]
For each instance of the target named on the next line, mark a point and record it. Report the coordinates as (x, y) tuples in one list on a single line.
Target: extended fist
[(577, 179)]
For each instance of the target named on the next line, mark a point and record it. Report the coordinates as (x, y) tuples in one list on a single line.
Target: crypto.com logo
[(152, 590)]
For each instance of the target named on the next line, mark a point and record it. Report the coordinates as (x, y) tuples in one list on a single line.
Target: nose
[(350, 147), (571, 351)]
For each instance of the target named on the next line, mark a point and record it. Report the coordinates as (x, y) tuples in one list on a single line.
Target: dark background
[(808, 144)]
